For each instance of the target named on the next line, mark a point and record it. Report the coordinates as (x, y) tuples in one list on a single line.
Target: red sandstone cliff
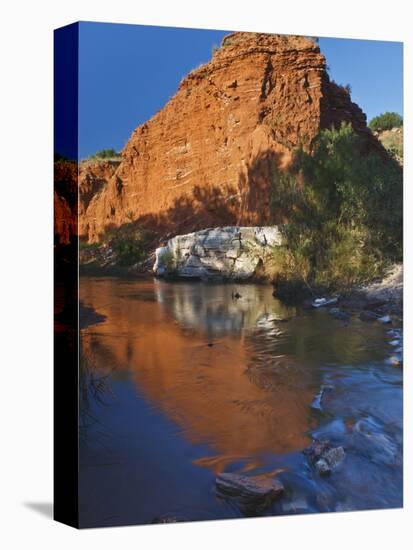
[(75, 186), (65, 200), (93, 177), (211, 154)]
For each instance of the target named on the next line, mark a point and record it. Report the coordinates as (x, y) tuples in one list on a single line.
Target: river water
[(183, 381)]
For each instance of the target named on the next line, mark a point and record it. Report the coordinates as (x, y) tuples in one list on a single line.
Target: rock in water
[(252, 494), (321, 302), (323, 457), (384, 320), (169, 519), (330, 460), (318, 447), (368, 316)]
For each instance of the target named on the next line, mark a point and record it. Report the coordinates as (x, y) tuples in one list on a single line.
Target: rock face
[(93, 176), (211, 156), (64, 221), (65, 201), (235, 253), (75, 186)]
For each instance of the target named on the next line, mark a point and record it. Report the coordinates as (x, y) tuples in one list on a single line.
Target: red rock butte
[(210, 156)]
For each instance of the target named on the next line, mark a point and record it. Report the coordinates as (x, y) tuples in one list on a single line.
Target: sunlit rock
[(235, 253)]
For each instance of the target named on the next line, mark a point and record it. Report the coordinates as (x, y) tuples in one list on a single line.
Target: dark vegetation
[(61, 158), (123, 247), (386, 121), (129, 243), (344, 211)]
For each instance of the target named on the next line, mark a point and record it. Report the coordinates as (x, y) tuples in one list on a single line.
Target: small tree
[(386, 121)]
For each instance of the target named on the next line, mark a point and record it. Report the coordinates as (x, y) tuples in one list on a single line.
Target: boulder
[(233, 253), (330, 460), (252, 494)]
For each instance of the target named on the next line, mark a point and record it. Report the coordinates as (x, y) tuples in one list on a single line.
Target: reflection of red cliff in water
[(211, 392)]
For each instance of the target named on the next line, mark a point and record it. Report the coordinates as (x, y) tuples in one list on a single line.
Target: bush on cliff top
[(386, 121), (105, 154), (344, 211)]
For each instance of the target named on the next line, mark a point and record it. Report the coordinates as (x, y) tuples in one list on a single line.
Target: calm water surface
[(180, 381)]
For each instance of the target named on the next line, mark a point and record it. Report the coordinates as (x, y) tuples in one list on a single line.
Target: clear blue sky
[(128, 72)]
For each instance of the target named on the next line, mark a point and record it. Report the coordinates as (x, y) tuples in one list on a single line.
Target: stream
[(182, 381)]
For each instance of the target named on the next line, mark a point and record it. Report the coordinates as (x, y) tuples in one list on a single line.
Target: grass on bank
[(129, 243)]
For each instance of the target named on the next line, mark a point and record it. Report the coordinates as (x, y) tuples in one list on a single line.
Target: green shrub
[(386, 121), (106, 154), (83, 245), (344, 212), (129, 245), (227, 42)]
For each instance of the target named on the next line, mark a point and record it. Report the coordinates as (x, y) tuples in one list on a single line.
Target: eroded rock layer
[(211, 155)]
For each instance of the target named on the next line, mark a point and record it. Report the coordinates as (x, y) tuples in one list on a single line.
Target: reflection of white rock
[(223, 252), (161, 255), (212, 308)]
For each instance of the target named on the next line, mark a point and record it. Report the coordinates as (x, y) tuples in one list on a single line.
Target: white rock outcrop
[(236, 253)]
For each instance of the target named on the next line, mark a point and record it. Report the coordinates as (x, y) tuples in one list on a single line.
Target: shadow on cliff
[(204, 207), (246, 203)]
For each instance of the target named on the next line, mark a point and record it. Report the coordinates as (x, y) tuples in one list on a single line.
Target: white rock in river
[(223, 252)]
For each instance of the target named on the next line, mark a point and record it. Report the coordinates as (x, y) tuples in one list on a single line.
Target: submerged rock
[(252, 494), (370, 439), (317, 403), (368, 316), (337, 313), (335, 430)]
